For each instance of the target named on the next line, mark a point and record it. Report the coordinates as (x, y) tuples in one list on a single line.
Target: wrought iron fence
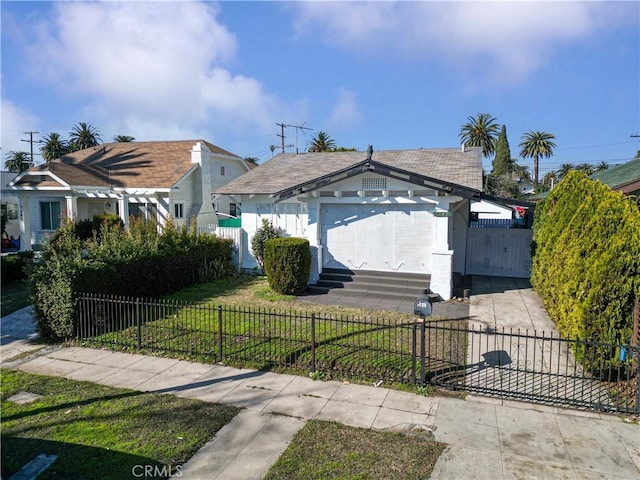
[(506, 363), (542, 368), (373, 348)]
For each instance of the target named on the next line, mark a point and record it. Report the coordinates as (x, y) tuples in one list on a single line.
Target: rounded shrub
[(287, 262), (259, 240)]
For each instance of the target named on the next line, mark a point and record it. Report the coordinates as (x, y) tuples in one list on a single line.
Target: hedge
[(586, 263), (138, 262), (287, 262), (14, 266)]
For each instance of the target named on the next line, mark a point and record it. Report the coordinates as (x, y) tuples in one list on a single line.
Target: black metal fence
[(541, 368), (508, 364)]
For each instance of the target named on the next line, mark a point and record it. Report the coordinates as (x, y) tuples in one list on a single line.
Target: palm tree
[(17, 161), (535, 145), (54, 147), (481, 131), (565, 168), (123, 138), (550, 179), (587, 168), (521, 172), (83, 135), (603, 165), (322, 142)]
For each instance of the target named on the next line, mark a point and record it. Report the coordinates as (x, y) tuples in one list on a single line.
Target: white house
[(401, 211), (161, 180)]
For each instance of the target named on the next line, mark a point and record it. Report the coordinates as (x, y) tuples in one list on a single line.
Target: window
[(178, 210), (142, 210), (233, 210), (222, 170), (50, 215)]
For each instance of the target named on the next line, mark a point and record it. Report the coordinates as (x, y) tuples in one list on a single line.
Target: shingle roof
[(619, 175), (127, 164), (289, 169)]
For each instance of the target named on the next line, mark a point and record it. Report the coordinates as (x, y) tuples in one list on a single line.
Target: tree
[(549, 180), (82, 136), (54, 147), (123, 138), (480, 131), (322, 142), (535, 145), (502, 163), (603, 165), (587, 168), (253, 160), (259, 240), (17, 161), (521, 172), (565, 168)]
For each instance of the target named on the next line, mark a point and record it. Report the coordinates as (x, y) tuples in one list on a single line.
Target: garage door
[(499, 252), (377, 237)]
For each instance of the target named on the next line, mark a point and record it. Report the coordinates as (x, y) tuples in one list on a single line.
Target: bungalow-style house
[(159, 180), (391, 211)]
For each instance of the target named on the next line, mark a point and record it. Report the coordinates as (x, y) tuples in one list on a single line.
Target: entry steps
[(391, 285)]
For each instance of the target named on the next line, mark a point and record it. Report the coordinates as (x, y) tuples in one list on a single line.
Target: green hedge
[(14, 266), (287, 262), (586, 263), (138, 262)]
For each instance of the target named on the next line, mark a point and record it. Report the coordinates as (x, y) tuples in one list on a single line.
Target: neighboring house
[(494, 211), (400, 211), (623, 178), (159, 180), (11, 223)]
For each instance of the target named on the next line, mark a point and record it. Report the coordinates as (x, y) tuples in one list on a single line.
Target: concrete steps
[(388, 285)]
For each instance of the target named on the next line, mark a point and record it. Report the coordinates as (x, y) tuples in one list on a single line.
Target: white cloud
[(345, 113), (152, 70), (499, 40), (15, 121)]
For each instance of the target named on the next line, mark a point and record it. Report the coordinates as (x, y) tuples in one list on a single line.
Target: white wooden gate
[(232, 233), (499, 252)]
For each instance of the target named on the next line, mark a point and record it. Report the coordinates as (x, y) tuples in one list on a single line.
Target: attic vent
[(378, 183)]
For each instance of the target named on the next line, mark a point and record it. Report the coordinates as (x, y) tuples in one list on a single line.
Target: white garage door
[(377, 237)]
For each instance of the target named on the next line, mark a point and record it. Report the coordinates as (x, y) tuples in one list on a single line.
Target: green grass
[(15, 295), (328, 450), (99, 432), (265, 331)]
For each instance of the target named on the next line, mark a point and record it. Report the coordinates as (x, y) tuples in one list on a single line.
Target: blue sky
[(396, 75)]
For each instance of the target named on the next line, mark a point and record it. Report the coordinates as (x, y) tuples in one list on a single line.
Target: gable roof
[(621, 176), (286, 172), (122, 165)]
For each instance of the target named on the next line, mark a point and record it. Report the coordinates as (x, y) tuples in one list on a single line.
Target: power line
[(282, 136), (31, 141)]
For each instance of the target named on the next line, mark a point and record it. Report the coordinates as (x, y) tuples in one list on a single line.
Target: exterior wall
[(11, 204), (490, 210), (401, 223)]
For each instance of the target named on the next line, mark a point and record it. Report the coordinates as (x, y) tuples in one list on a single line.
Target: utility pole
[(282, 136), (31, 141)]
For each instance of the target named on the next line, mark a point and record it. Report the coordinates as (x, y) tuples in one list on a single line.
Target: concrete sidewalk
[(487, 438)]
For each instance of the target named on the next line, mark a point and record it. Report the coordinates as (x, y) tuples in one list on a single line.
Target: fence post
[(138, 325), (219, 333), (414, 353), (313, 342), (423, 376)]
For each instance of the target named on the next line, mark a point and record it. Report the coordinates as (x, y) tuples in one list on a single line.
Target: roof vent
[(463, 147)]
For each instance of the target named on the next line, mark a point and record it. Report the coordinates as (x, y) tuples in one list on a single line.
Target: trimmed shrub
[(586, 264), (288, 264), (138, 262), (14, 266), (259, 241)]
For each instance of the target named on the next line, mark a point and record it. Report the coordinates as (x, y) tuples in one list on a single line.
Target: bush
[(14, 266), (259, 241), (138, 262), (586, 264), (288, 264)]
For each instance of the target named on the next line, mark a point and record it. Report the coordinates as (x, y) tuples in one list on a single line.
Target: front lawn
[(15, 295), (100, 432), (331, 450), (242, 320)]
